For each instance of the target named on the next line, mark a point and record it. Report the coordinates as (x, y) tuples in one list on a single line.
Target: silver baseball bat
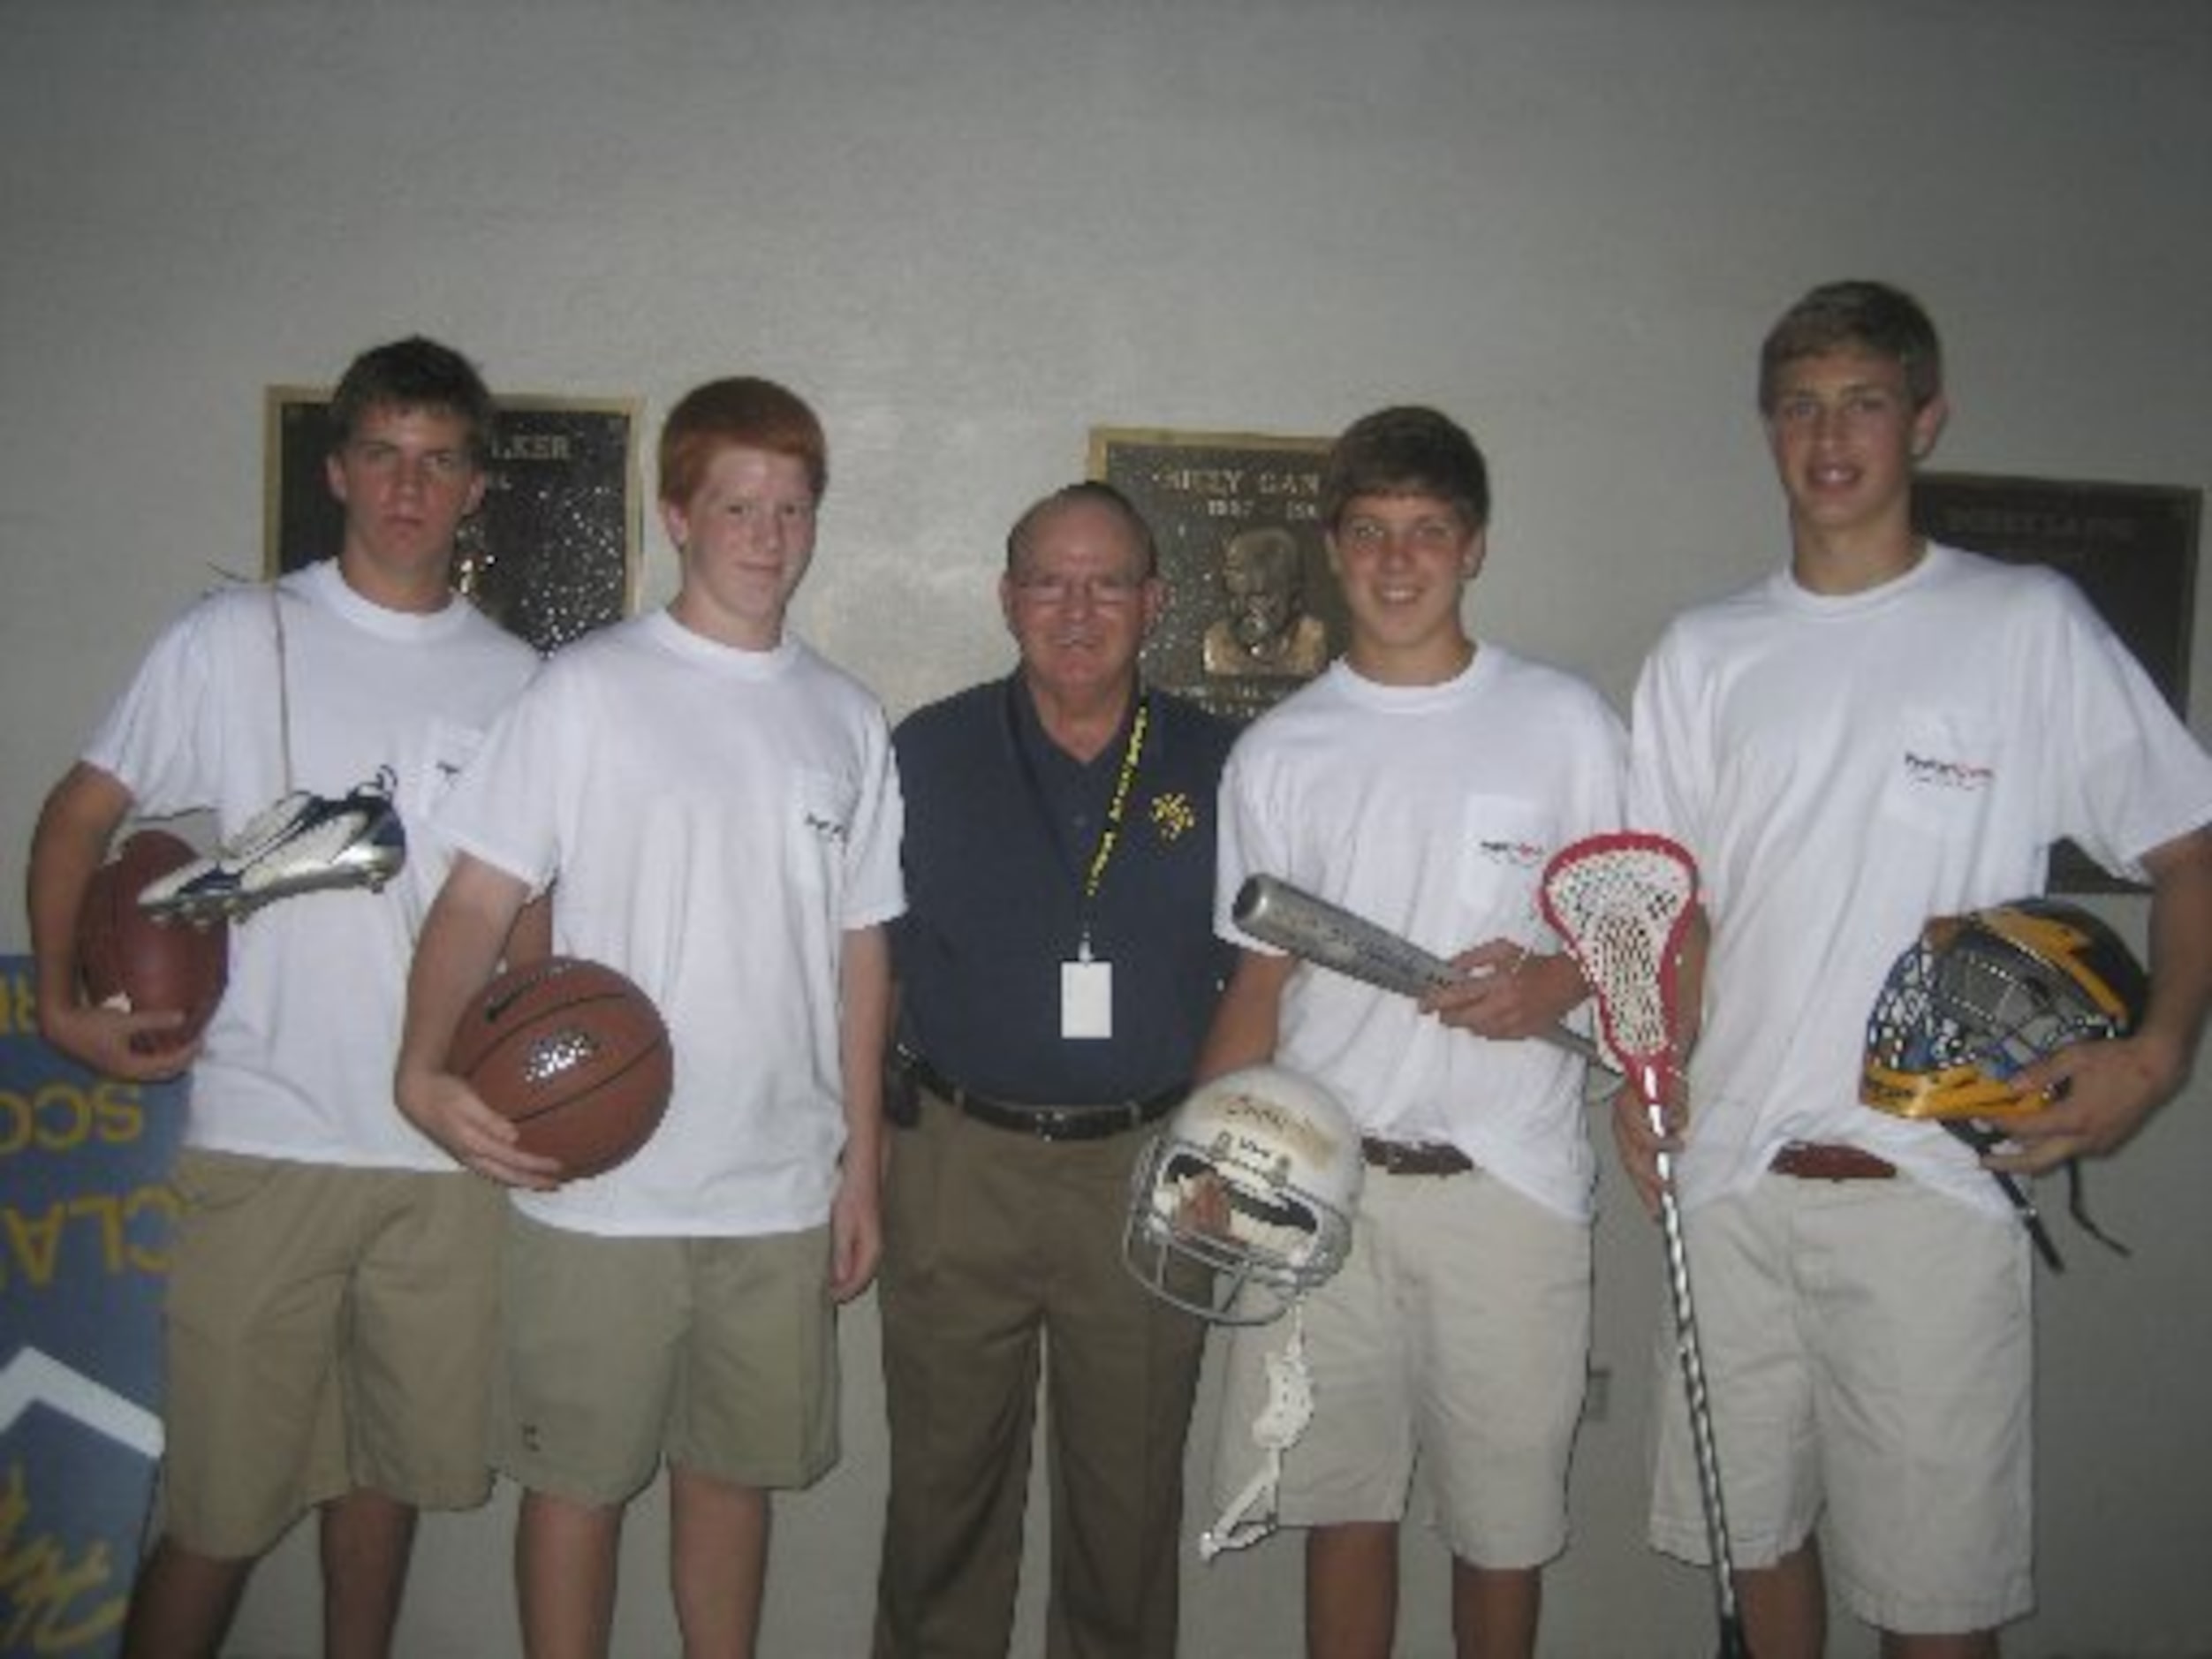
[(1311, 929)]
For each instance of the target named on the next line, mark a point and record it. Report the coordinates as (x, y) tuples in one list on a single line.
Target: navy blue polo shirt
[(1002, 826)]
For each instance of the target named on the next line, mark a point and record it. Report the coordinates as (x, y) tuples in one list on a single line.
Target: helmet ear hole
[(1978, 997), (1243, 1199)]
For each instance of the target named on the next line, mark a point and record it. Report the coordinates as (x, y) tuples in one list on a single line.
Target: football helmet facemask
[(1979, 996), (1253, 1181)]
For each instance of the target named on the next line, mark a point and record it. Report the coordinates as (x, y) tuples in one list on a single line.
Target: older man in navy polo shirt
[(1058, 971)]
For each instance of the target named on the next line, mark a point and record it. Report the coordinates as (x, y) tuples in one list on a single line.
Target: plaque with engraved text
[(2131, 549), (1253, 611), (550, 555)]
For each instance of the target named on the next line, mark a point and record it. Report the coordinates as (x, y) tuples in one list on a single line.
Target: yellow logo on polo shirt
[(1172, 815)]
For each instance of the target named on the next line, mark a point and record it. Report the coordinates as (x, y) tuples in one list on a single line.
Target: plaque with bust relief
[(1254, 610)]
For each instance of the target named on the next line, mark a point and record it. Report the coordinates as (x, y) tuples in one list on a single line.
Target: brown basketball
[(129, 960), (573, 1054)]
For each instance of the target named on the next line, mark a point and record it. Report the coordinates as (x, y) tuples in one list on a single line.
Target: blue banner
[(85, 1218)]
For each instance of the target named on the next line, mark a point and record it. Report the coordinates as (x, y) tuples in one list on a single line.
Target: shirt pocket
[(446, 754), (1505, 842), (1942, 774), (822, 808)]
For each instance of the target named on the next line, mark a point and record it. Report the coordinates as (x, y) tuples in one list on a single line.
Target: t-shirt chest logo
[(1947, 773), (1508, 852)]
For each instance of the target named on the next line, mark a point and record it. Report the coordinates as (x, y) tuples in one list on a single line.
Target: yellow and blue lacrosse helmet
[(1979, 996)]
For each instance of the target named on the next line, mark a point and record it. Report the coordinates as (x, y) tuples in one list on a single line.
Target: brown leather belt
[(1045, 1122), (1813, 1161), (1410, 1157)]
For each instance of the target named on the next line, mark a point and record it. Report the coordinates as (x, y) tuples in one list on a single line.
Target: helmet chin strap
[(1281, 1421), (1981, 1138)]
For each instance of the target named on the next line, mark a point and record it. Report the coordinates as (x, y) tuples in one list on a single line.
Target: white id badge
[(1086, 999)]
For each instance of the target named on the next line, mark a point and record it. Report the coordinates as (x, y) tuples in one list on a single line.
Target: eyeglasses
[(1049, 592)]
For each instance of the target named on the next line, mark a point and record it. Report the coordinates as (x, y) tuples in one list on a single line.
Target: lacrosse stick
[(1622, 903)]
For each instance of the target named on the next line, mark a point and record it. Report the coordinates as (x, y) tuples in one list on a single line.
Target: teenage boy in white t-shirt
[(715, 809), (330, 1306), (1885, 731), (1424, 781)]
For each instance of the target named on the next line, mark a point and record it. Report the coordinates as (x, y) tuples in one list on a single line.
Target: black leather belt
[(1414, 1157), (1044, 1123), (1814, 1161)]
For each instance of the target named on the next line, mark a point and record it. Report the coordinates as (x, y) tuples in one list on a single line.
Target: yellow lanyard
[(1110, 834)]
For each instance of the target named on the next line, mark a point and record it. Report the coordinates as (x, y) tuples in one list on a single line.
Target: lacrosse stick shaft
[(1691, 1355), (1328, 935)]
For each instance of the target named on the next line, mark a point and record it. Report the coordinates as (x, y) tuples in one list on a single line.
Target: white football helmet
[(1252, 1182)]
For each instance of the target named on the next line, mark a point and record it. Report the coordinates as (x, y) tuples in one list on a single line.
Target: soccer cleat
[(302, 843)]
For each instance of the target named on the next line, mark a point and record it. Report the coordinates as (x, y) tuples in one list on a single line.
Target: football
[(129, 961), (574, 1055)]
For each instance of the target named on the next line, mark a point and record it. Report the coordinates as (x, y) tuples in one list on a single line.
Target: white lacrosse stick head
[(1622, 903)]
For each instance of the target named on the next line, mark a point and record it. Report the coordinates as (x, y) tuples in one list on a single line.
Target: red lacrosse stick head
[(1621, 904)]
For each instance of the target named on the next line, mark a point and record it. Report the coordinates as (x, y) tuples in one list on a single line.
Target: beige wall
[(972, 231)]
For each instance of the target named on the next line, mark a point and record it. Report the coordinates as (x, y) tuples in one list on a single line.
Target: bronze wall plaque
[(2131, 549), (1253, 611), (552, 553)]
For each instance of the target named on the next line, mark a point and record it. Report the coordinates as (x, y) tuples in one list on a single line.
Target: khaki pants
[(1002, 1253)]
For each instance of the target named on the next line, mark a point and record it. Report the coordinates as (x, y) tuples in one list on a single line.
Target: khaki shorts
[(327, 1328), (719, 1355), (1454, 1345), (1867, 1354)]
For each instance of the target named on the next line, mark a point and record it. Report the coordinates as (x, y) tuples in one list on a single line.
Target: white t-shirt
[(1432, 810), (299, 1057), (714, 821), (1845, 768)]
